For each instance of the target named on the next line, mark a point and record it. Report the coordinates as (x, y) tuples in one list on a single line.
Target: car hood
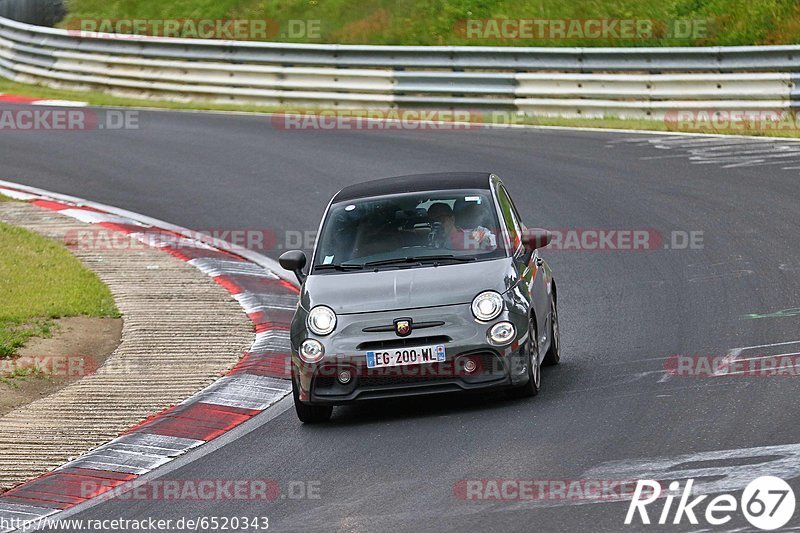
[(408, 288)]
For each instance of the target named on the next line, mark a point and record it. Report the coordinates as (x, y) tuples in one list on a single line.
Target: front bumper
[(464, 339)]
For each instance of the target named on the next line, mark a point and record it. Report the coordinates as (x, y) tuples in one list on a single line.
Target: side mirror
[(294, 261), (533, 239)]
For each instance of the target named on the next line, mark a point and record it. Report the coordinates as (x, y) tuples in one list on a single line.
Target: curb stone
[(258, 381)]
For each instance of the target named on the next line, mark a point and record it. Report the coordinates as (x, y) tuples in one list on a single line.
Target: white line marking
[(770, 345), (732, 355), (759, 357), (60, 103)]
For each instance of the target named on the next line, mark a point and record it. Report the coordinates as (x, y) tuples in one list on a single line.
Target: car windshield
[(409, 230)]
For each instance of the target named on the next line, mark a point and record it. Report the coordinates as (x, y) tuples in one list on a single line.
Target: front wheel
[(310, 414), (553, 355), (531, 388)]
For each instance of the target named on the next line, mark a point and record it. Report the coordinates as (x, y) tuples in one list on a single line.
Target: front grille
[(406, 342), (391, 327), (391, 381), (396, 375), (490, 368), (404, 375)]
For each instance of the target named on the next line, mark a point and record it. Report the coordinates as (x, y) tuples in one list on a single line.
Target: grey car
[(419, 285)]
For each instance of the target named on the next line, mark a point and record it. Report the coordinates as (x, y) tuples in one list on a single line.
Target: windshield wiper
[(417, 259), (459, 258), (394, 261), (382, 262), (343, 266)]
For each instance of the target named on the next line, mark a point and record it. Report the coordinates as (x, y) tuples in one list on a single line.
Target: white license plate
[(406, 356)]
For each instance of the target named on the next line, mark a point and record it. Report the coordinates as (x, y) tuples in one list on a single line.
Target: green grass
[(98, 98), (434, 22), (42, 281)]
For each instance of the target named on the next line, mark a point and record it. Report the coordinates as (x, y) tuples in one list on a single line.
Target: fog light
[(470, 366), (311, 351), (502, 333), (345, 376)]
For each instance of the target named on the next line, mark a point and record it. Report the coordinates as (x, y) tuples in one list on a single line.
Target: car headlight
[(487, 306), (502, 333), (321, 320), (311, 351)]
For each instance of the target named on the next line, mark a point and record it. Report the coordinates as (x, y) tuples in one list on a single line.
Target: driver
[(455, 238)]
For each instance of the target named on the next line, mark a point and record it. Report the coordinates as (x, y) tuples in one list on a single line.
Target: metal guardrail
[(627, 82)]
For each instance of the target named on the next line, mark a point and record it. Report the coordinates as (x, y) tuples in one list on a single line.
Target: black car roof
[(414, 183)]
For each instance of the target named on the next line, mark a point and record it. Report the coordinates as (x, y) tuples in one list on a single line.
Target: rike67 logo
[(767, 502)]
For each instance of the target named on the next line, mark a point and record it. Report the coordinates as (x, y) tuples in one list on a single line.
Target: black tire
[(531, 388), (310, 414), (553, 355)]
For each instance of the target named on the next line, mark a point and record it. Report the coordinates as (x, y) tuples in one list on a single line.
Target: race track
[(394, 465)]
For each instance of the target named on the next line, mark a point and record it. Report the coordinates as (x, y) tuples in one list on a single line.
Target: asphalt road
[(394, 465)]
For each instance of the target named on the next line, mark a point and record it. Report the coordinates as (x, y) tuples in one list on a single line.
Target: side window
[(509, 218)]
